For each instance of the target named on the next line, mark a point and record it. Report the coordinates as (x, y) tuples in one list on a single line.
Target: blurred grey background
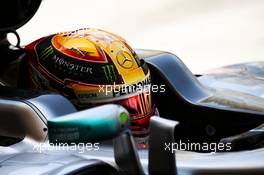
[(205, 34)]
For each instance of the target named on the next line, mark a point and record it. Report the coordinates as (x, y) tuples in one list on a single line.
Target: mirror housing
[(91, 125), (98, 124)]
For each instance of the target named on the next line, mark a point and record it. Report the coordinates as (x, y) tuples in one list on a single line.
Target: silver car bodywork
[(29, 115)]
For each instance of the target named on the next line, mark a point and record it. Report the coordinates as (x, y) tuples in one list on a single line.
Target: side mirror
[(96, 124)]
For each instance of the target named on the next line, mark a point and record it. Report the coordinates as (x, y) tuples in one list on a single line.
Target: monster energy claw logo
[(46, 53), (109, 72)]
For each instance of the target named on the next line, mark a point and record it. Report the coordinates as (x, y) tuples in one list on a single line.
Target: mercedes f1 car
[(207, 124)]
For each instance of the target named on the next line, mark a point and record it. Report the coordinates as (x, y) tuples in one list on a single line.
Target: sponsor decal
[(109, 72), (66, 64), (46, 53), (124, 59)]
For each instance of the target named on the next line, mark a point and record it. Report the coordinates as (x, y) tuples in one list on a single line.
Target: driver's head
[(93, 67)]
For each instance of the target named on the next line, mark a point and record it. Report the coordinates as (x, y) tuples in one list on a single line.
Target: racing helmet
[(92, 67)]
